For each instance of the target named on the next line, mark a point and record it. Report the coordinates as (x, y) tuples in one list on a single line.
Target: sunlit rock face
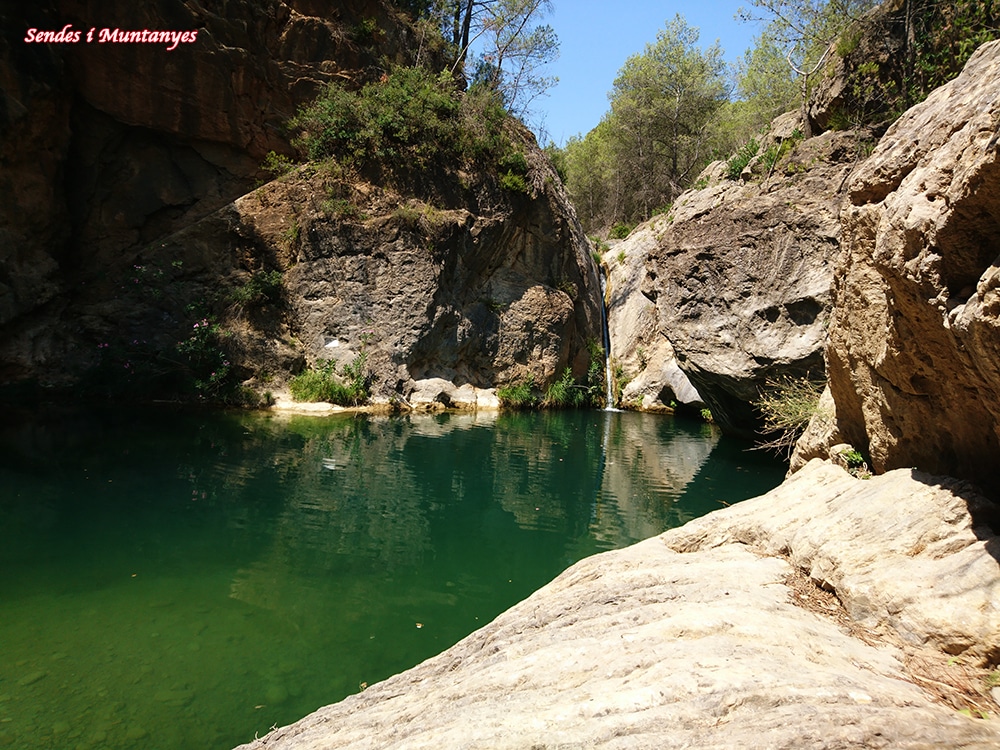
[(914, 355), (742, 272), (640, 349)]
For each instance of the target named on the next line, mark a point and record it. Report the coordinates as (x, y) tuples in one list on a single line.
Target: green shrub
[(595, 374), (262, 287), (787, 404), (206, 359), (322, 384), (621, 231), (409, 119), (738, 162), (520, 395), (513, 182), (277, 164), (565, 393)]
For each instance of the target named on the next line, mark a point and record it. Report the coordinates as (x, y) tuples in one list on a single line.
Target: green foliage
[(777, 151), (787, 404), (519, 395), (657, 136), (407, 117), (206, 359), (558, 158), (706, 415), (621, 257), (366, 31), (738, 162), (765, 85), (260, 288), (342, 208), (321, 383), (618, 381), (513, 182), (565, 393), (620, 231), (410, 120), (291, 235), (277, 164), (595, 374), (945, 34), (516, 47)]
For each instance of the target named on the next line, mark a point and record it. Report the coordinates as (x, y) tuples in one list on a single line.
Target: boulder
[(741, 274), (716, 635), (638, 346), (914, 352)]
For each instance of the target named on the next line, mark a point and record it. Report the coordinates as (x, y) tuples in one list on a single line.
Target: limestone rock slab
[(691, 639)]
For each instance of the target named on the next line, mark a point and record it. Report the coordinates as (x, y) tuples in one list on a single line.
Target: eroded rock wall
[(106, 147), (475, 285), (742, 274), (640, 349), (914, 353), (127, 163)]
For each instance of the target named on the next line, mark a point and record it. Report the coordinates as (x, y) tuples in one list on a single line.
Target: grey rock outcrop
[(914, 353), (638, 346), (446, 301), (716, 635), (742, 275)]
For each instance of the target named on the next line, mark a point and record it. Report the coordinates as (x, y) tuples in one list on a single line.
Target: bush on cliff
[(409, 118)]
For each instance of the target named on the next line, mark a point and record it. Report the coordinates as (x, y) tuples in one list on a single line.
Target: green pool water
[(188, 580)]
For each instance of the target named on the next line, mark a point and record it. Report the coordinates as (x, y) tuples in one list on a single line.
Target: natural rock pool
[(188, 580)]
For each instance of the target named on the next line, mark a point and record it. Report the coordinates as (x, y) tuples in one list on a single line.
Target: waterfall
[(609, 391)]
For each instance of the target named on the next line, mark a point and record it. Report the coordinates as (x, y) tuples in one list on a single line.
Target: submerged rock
[(718, 634)]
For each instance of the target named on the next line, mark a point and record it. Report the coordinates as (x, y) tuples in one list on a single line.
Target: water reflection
[(198, 578)]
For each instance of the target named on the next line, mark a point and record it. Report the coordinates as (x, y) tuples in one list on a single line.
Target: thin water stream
[(188, 580)]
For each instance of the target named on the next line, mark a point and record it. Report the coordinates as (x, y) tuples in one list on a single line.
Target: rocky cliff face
[(742, 273), (915, 340), (640, 350), (477, 286), (107, 146), (123, 231)]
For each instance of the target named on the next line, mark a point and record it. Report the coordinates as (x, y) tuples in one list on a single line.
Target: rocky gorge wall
[(914, 351), (127, 163), (737, 277)]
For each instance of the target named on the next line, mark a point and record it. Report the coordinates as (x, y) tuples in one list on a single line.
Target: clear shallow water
[(176, 581)]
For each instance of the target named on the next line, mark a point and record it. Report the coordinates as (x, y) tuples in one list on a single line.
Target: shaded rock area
[(446, 297), (639, 347), (105, 147), (742, 271), (128, 235), (717, 635), (914, 352)]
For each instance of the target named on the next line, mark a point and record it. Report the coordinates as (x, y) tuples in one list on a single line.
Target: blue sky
[(595, 38)]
